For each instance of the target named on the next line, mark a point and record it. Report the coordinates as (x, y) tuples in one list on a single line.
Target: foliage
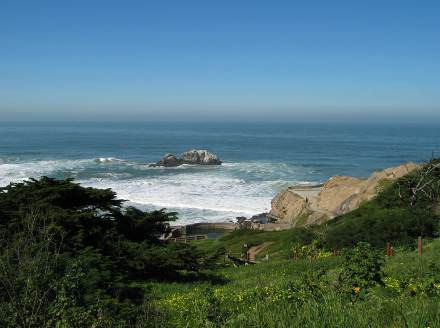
[(361, 270), (286, 293), (282, 242), (76, 257), (410, 274), (401, 212), (70, 254), (311, 251), (28, 265)]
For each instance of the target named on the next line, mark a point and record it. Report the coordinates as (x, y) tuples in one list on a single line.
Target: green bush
[(361, 268)]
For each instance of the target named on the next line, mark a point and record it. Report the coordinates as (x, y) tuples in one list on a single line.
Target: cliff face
[(339, 195), (287, 206)]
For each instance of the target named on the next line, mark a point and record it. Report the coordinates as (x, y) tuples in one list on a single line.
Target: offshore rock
[(201, 157), (169, 160), (193, 156)]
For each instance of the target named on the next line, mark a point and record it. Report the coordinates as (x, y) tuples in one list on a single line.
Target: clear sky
[(277, 60)]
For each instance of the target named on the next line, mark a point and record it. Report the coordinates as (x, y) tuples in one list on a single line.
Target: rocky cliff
[(301, 206)]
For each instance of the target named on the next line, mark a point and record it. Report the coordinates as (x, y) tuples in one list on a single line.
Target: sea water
[(260, 159)]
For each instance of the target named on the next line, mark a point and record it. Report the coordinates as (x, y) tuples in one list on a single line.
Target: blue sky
[(144, 60)]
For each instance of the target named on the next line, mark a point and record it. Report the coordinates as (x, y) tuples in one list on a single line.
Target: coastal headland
[(305, 205)]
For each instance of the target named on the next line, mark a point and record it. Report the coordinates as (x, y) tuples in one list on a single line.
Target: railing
[(185, 239)]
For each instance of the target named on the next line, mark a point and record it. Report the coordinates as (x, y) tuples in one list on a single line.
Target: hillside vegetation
[(69, 256), (76, 257), (359, 289), (402, 211)]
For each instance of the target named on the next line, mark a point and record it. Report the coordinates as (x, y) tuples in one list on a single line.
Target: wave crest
[(211, 193)]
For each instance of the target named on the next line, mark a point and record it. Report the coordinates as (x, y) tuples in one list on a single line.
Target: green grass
[(286, 293), (282, 241)]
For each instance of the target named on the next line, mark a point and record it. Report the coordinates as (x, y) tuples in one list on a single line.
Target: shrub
[(361, 268)]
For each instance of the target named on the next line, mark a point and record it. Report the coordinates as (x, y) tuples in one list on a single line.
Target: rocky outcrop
[(193, 156), (201, 157), (339, 195), (169, 160), (288, 206)]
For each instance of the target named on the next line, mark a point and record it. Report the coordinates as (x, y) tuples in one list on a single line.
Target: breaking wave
[(214, 193)]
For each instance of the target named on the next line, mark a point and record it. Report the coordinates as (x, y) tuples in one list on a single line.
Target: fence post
[(388, 250), (420, 245)]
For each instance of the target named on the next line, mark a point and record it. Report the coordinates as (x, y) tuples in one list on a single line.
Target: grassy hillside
[(401, 212), (286, 293), (360, 288), (281, 242)]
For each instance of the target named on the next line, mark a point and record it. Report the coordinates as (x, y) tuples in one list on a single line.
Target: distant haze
[(229, 60)]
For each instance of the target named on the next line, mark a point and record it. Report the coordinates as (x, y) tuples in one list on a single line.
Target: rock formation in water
[(302, 206), (193, 156), (201, 157), (169, 160)]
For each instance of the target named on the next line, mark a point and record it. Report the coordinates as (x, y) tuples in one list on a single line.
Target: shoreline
[(310, 191)]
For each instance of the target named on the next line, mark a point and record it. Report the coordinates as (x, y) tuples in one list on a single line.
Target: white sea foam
[(14, 172), (197, 193), (107, 160), (192, 191)]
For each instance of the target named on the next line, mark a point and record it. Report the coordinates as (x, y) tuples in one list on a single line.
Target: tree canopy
[(72, 248)]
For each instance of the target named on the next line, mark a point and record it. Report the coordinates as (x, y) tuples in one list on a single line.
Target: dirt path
[(253, 251)]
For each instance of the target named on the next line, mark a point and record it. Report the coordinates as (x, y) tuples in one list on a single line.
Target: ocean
[(259, 159)]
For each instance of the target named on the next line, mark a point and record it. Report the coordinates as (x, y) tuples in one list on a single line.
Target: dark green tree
[(76, 254)]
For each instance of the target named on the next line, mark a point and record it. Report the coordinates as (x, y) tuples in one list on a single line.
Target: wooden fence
[(185, 239), (390, 250)]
